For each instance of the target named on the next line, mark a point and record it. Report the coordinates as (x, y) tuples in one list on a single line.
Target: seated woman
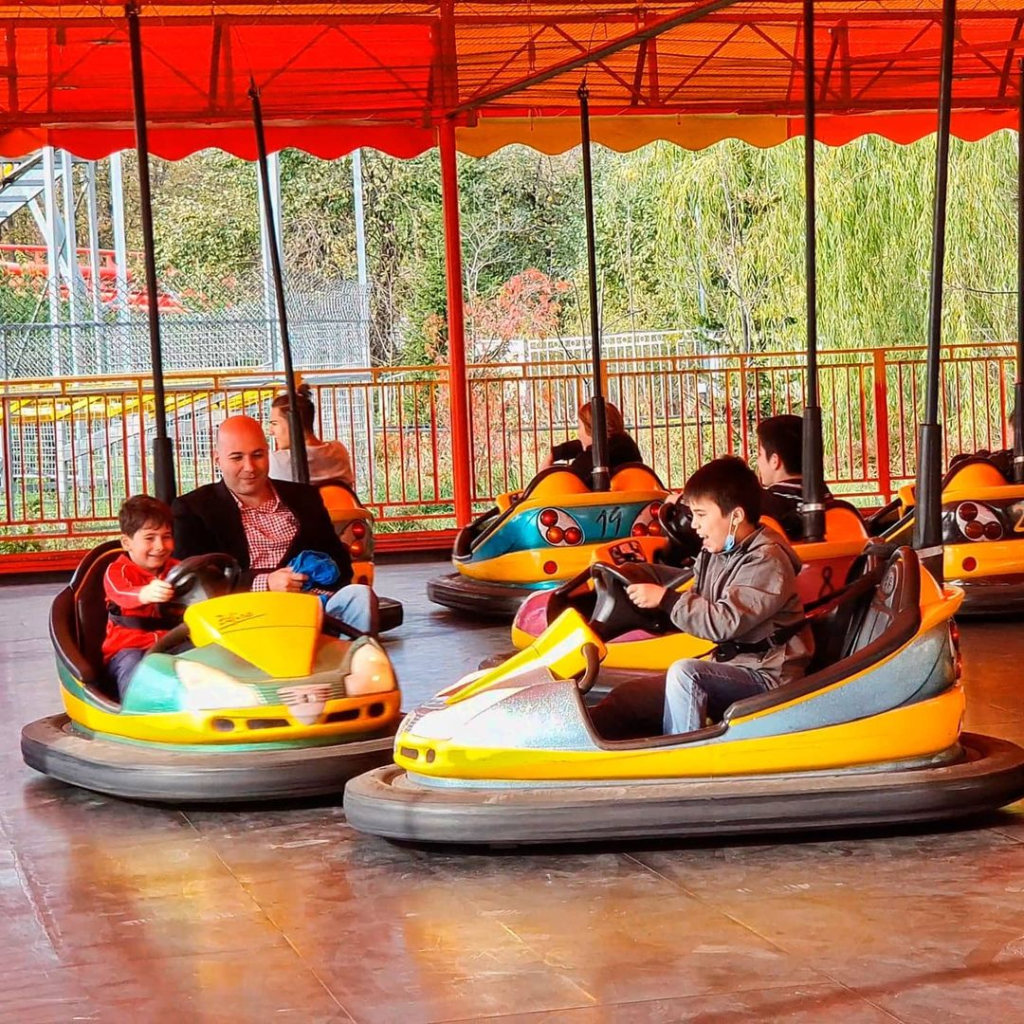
[(744, 600), (329, 461), (579, 454)]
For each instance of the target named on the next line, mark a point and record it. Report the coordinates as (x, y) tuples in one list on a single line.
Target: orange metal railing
[(71, 450)]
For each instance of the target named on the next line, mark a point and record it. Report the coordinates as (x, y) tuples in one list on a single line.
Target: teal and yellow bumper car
[(273, 699), (535, 540)]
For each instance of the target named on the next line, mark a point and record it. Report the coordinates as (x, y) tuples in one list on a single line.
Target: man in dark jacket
[(264, 525)]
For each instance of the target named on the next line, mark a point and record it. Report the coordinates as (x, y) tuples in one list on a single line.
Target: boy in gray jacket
[(744, 599)]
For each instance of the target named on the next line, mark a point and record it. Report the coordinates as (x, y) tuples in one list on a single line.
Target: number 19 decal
[(610, 521)]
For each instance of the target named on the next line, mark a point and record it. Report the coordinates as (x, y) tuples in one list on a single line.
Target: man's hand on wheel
[(284, 581), (646, 595)]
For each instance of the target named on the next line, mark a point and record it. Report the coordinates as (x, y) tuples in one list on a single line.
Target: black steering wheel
[(614, 613), (677, 524), (201, 577)]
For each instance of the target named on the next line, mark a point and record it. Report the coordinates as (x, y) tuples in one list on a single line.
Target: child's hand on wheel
[(156, 592), (645, 595)]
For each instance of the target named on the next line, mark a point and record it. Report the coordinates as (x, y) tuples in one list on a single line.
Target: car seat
[(78, 619)]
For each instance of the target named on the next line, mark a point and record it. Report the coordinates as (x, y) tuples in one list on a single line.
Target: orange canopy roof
[(334, 76)]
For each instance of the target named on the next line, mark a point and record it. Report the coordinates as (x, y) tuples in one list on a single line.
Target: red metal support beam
[(651, 30), (461, 465)]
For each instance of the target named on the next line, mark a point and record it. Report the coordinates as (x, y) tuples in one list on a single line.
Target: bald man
[(264, 525)]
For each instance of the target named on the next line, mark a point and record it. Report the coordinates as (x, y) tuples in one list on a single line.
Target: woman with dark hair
[(579, 454), (329, 461)]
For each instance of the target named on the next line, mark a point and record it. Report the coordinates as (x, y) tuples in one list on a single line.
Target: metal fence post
[(882, 455)]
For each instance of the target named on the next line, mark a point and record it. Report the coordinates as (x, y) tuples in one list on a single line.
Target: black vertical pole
[(928, 521), (1018, 387), (300, 464), (813, 507), (598, 423), (163, 453)]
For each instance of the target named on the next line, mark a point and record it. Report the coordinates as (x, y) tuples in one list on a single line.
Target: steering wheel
[(201, 577), (881, 519), (677, 524), (614, 613)]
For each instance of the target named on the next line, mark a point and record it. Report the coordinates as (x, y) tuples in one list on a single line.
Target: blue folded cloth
[(319, 569)]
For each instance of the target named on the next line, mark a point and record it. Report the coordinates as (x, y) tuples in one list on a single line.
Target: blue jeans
[(696, 689), (123, 664), (676, 704), (356, 605)]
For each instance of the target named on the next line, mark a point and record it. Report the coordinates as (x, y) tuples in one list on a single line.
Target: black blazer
[(208, 520)]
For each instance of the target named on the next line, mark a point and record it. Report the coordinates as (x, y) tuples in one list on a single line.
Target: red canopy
[(334, 76)]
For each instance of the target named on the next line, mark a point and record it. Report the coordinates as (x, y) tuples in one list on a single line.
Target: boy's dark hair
[(730, 483), (140, 511), (783, 436), (303, 402)]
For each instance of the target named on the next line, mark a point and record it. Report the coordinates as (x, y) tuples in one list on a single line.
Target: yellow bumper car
[(982, 534), (273, 700), (870, 736)]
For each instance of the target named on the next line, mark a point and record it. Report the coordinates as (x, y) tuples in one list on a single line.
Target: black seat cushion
[(78, 617), (871, 622), (836, 623), (992, 459)]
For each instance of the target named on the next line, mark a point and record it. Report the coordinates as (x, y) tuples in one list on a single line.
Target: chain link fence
[(51, 330)]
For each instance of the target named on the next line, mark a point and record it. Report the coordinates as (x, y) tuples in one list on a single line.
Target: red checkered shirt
[(269, 529)]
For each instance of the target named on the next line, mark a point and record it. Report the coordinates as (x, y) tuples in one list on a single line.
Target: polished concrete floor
[(111, 911)]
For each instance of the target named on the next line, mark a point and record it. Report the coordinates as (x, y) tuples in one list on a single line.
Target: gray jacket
[(746, 595)]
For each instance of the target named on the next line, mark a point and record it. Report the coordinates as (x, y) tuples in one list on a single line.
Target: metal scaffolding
[(73, 305)]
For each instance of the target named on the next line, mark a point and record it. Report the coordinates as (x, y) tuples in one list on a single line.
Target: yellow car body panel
[(197, 727), (917, 730), (560, 650), (237, 622), (991, 559)]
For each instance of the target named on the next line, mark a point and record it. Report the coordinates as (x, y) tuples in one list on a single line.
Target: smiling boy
[(135, 587), (744, 597)]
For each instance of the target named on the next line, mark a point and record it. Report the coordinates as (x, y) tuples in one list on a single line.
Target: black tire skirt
[(163, 775), (477, 597), (386, 802), (392, 613)]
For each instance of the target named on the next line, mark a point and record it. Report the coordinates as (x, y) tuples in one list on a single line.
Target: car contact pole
[(297, 449), (598, 421), (1018, 386), (163, 453), (813, 506), (928, 518)]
